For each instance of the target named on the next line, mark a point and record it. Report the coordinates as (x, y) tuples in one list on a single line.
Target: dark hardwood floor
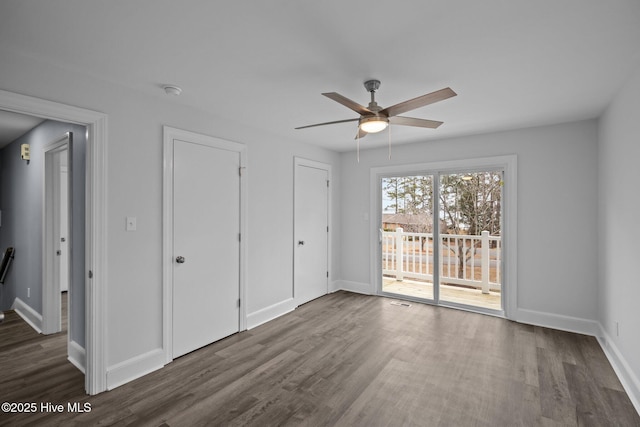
[(344, 359)]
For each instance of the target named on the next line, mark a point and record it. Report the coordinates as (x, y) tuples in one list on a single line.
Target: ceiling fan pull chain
[(389, 142)]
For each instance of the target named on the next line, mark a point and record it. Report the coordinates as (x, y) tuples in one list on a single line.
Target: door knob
[(180, 260)]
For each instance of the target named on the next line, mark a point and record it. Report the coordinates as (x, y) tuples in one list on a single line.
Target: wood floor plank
[(601, 370), (555, 398), (525, 356), (621, 406), (344, 359)]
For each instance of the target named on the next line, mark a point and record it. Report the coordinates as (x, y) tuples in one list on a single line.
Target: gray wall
[(134, 168), (21, 202), (557, 204), (619, 175)]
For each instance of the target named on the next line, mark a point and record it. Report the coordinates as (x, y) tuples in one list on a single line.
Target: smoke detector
[(172, 90)]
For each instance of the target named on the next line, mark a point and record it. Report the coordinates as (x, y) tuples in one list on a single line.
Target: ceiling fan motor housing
[(372, 85)]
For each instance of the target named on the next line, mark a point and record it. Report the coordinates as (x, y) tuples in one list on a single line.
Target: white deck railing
[(410, 255)]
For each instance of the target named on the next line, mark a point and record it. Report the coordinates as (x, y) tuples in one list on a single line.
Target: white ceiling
[(14, 125), (513, 63)]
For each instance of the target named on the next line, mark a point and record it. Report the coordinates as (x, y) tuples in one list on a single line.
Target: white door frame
[(299, 161), (507, 163), (95, 222), (51, 298), (66, 220), (169, 135)]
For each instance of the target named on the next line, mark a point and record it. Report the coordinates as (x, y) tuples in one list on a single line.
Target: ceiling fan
[(374, 118)]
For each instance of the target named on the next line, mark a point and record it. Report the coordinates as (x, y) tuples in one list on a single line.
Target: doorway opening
[(57, 236), (91, 355)]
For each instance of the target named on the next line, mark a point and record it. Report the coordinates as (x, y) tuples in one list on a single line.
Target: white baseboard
[(32, 317), (269, 313), (627, 377), (276, 310), (557, 321), (334, 286), (357, 287), (77, 355), (135, 367)]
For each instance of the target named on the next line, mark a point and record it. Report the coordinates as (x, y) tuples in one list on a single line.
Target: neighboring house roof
[(406, 219)]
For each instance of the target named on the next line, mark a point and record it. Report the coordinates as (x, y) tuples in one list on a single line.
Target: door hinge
[(327, 183), (327, 228), (90, 274), (327, 274), (238, 302), (239, 237), (240, 170)]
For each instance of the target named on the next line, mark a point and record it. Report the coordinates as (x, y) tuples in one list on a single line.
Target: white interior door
[(206, 246), (311, 232)]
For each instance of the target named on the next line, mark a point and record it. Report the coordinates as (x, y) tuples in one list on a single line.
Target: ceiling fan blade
[(410, 121), (418, 102), (360, 109), (328, 123)]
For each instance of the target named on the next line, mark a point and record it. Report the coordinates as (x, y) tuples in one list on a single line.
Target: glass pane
[(407, 236), (470, 239)]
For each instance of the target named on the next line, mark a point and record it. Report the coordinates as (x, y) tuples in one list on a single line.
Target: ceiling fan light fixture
[(373, 124)]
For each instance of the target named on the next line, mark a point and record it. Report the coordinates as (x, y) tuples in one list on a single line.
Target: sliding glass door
[(441, 238), (471, 248), (407, 236)]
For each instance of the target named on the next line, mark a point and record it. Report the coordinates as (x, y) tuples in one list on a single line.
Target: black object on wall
[(6, 262)]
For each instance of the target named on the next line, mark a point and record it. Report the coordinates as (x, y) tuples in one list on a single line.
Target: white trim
[(557, 321), (28, 314), (508, 164), (169, 135), (167, 244), (334, 286), (96, 256), (299, 161), (134, 368), (627, 377), (357, 287), (95, 217), (76, 355), (267, 314)]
